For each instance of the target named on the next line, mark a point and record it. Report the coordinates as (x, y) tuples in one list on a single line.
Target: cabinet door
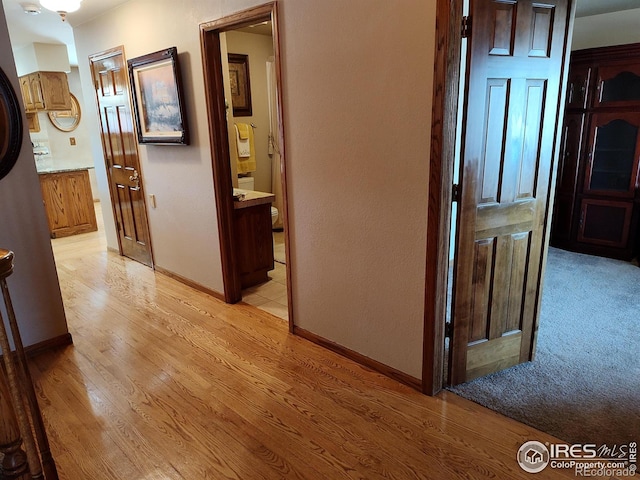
[(618, 85), (605, 222), (36, 91), (578, 87), (55, 90), (567, 179), (611, 168), (25, 90), (53, 194), (68, 203)]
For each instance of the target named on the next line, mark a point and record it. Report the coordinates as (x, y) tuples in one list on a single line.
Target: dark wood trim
[(359, 358), (240, 19), (283, 168), (190, 283), (589, 55), (46, 345), (220, 157), (443, 135)]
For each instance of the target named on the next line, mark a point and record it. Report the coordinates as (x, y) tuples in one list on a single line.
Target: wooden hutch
[(597, 201)]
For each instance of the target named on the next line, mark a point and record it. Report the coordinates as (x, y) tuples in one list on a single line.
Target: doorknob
[(135, 177)]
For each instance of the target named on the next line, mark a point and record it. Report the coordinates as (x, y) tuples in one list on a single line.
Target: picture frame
[(240, 84), (158, 105)]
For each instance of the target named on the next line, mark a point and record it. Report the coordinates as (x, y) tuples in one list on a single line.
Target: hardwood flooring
[(165, 382)]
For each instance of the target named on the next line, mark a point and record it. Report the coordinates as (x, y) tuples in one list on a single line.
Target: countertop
[(251, 198), (43, 171)]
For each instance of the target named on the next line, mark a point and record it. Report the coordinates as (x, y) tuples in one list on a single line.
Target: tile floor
[(271, 296)]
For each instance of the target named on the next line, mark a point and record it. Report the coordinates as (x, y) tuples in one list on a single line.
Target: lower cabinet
[(604, 222), (68, 202), (254, 243)]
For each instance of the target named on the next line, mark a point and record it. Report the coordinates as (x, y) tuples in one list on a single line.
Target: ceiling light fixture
[(30, 8), (61, 7)]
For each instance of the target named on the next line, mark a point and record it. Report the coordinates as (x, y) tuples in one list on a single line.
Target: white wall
[(616, 28), (33, 286), (63, 154), (358, 89), (357, 95)]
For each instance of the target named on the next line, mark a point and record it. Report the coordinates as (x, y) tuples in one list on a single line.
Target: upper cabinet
[(618, 86), (45, 91), (597, 204)]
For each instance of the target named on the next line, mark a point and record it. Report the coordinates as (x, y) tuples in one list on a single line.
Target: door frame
[(446, 81), (112, 194), (446, 84), (218, 140)]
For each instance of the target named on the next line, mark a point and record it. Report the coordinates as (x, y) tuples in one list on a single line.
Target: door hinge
[(455, 193), (448, 330), (466, 26)]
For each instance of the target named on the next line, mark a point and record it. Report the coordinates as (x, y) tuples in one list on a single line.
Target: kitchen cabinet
[(68, 202), (45, 91), (597, 205), (33, 122)]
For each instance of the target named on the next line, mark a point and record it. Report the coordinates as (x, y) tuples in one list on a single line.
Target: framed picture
[(157, 98), (240, 85)]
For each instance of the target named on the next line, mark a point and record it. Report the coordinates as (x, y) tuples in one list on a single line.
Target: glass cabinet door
[(614, 148), (618, 85)]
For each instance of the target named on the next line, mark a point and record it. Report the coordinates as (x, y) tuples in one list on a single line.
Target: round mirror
[(66, 120), (10, 126)]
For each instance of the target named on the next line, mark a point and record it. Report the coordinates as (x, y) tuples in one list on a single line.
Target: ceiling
[(47, 27)]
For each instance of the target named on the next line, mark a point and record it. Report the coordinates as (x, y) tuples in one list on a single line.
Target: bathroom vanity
[(68, 201), (254, 239)]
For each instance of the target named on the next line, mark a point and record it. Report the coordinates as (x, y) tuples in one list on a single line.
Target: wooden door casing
[(110, 77), (517, 53)]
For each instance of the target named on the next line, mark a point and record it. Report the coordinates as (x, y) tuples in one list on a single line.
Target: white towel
[(244, 145)]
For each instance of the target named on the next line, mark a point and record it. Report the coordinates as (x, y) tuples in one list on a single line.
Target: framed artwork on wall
[(157, 98), (240, 85)]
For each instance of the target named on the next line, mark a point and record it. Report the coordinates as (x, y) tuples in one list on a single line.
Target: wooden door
[(110, 77), (515, 67)]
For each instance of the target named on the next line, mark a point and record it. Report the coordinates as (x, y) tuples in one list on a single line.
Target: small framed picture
[(240, 85), (157, 98)]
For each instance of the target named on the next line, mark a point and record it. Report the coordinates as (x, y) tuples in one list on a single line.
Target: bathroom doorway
[(242, 83)]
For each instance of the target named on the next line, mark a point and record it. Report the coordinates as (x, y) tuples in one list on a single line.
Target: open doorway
[(242, 84)]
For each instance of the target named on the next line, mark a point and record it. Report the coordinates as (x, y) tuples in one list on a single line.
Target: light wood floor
[(165, 382)]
